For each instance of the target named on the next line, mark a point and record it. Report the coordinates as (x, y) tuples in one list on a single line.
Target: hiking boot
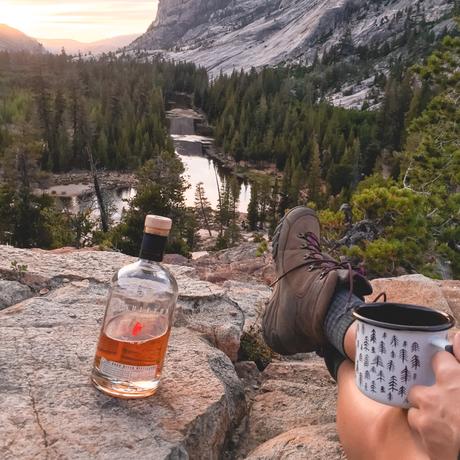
[(307, 280)]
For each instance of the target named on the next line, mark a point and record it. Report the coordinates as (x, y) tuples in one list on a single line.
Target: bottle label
[(125, 372)]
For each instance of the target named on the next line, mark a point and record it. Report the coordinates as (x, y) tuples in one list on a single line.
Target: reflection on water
[(117, 200), (198, 168), (190, 147), (202, 169)]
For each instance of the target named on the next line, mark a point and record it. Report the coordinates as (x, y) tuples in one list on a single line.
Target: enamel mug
[(395, 344)]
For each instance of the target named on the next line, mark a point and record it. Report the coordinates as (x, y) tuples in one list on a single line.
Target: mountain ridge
[(55, 45), (12, 39)]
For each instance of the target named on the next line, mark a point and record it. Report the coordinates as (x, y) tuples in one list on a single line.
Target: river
[(191, 149)]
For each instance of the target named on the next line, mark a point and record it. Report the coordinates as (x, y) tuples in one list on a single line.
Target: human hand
[(435, 411)]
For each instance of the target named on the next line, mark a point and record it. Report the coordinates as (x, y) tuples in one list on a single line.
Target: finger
[(442, 364), (413, 418), (416, 396), (457, 345)]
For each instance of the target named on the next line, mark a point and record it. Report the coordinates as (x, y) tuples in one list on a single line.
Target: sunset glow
[(85, 20)]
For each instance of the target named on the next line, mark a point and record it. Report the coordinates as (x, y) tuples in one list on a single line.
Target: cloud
[(66, 19)]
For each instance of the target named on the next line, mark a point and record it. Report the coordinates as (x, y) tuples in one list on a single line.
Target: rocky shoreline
[(80, 183)]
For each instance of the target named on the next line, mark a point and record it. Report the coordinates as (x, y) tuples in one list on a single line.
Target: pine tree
[(314, 173), (203, 208), (44, 103), (253, 208), (273, 216)]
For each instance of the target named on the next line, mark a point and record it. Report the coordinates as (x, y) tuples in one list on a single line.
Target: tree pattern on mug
[(373, 336), (383, 354), (373, 387), (378, 361), (366, 343), (405, 375), (393, 383), (403, 355), (415, 362)]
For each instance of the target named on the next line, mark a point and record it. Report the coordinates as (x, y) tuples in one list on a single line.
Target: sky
[(83, 20)]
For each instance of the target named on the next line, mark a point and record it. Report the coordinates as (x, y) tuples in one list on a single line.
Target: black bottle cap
[(156, 233)]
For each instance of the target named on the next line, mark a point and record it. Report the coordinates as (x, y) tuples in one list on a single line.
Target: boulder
[(451, 291), (203, 306), (251, 298), (206, 309), (48, 269), (13, 292), (49, 408), (292, 394), (305, 442), (240, 263), (415, 289)]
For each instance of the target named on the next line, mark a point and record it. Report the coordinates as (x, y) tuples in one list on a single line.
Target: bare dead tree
[(201, 201), (97, 190)]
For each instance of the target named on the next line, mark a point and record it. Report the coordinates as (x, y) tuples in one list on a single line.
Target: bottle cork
[(157, 225)]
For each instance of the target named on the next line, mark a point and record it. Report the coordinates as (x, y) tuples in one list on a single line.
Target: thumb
[(457, 346)]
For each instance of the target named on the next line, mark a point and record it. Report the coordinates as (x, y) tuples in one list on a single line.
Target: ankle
[(349, 342), (339, 320)]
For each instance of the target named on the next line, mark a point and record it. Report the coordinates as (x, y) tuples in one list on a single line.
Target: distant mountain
[(55, 45), (224, 35), (14, 40)]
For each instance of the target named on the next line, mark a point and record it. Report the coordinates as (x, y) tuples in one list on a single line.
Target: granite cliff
[(214, 402), (223, 35)]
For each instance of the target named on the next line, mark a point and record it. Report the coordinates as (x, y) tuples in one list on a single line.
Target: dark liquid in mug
[(400, 316)]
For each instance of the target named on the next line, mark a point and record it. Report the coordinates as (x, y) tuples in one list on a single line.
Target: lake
[(190, 148)]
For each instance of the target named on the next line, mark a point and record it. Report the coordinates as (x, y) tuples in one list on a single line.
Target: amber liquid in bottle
[(131, 352)]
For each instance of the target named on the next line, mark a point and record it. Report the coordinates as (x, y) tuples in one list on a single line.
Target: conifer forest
[(385, 178)]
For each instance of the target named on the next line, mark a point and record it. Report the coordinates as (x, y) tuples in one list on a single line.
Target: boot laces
[(315, 260)]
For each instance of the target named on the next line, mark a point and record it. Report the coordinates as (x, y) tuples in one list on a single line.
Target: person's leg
[(310, 310), (367, 429)]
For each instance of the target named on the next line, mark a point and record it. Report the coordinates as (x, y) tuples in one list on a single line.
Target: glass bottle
[(138, 319)]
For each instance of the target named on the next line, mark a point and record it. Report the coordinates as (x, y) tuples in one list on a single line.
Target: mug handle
[(443, 345)]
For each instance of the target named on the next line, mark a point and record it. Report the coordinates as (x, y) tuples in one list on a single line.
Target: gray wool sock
[(339, 318), (333, 360)]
